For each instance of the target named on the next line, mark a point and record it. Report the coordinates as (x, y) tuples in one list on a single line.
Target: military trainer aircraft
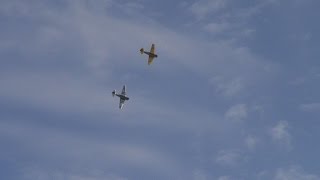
[(151, 54), (122, 96)]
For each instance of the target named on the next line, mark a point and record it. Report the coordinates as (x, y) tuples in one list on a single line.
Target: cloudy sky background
[(233, 95)]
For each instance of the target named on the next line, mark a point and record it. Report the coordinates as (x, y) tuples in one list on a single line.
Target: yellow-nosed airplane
[(151, 54)]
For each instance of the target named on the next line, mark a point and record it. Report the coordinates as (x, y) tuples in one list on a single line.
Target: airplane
[(151, 54), (122, 96)]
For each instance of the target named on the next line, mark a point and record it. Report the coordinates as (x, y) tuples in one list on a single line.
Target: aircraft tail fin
[(113, 92), (141, 50)]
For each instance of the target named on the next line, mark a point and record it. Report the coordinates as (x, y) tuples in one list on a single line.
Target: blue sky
[(233, 95)]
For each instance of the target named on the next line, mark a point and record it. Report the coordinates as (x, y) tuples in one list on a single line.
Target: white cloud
[(199, 174), (16, 8), (280, 133), (216, 28), (311, 107), (298, 81), (229, 157), (133, 7), (237, 112), (67, 149), (294, 173), (264, 175), (251, 142), (37, 173), (60, 92), (224, 178), (302, 2), (202, 8), (228, 88)]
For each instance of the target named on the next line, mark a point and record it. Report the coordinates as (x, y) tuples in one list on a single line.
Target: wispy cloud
[(224, 178), (65, 149), (229, 157), (294, 173), (226, 87), (280, 134), (251, 142), (37, 173), (237, 112), (310, 107), (59, 92), (202, 8), (199, 174), (228, 19), (216, 28)]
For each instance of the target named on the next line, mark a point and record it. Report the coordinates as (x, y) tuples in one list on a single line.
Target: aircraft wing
[(152, 50), (121, 103), (150, 60), (123, 90)]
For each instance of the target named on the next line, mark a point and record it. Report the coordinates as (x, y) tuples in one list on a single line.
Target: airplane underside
[(151, 54)]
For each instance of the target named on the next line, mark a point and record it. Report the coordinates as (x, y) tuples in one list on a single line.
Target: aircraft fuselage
[(122, 96), (150, 54)]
